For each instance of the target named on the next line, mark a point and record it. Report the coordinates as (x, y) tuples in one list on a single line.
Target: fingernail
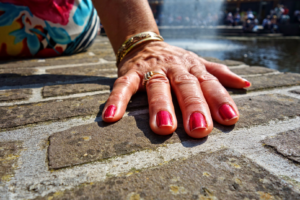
[(163, 118), (247, 83), (227, 112), (110, 111), (197, 120)]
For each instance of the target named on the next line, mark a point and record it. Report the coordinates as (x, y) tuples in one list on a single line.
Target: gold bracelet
[(134, 41)]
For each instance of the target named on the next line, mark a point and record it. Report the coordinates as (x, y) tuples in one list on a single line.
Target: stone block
[(4, 73), (51, 79), (19, 115), (269, 82), (9, 154), (62, 90), (13, 95), (222, 175), (287, 144), (49, 62), (98, 141), (97, 70), (252, 70)]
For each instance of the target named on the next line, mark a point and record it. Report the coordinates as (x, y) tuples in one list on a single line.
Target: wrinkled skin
[(197, 84)]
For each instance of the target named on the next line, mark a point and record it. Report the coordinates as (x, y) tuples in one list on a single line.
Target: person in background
[(237, 17), (267, 23), (229, 19), (145, 62)]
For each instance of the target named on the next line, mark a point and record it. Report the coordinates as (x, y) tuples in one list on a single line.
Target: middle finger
[(195, 111)]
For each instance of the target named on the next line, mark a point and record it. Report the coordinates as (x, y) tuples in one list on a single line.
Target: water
[(279, 54)]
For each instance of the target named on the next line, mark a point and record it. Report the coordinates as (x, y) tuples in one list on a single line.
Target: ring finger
[(161, 110)]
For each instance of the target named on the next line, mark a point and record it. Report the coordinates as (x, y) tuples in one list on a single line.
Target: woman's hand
[(197, 83)]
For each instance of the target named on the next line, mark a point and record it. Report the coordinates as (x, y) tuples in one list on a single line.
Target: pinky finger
[(123, 89)]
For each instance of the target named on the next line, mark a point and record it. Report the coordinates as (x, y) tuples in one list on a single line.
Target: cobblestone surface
[(54, 144), (287, 144), (220, 175), (9, 153), (62, 90), (98, 141), (11, 95)]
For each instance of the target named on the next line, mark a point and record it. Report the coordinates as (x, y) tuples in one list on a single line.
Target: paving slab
[(15, 72), (286, 144), (273, 81), (13, 95), (267, 82), (97, 70), (252, 70), (9, 154), (48, 62), (98, 141), (49, 79), (19, 115), (63, 90), (222, 175)]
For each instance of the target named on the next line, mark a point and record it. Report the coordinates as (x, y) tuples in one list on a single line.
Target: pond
[(280, 54)]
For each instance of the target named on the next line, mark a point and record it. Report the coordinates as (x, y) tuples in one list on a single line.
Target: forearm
[(124, 18)]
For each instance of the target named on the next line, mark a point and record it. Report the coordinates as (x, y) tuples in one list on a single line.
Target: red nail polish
[(247, 83), (110, 111), (197, 120), (163, 118), (227, 112)]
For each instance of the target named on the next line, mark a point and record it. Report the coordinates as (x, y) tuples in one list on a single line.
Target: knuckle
[(184, 79), (207, 77), (193, 101), (123, 80), (157, 79)]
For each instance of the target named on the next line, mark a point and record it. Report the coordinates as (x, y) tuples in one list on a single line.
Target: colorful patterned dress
[(46, 28)]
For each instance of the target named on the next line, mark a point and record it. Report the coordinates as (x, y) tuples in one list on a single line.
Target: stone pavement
[(54, 144)]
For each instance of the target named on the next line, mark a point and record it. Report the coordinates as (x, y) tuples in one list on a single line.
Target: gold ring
[(149, 75)]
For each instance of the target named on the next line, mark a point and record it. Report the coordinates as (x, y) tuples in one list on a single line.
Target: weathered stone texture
[(273, 81), (18, 115), (287, 144), (46, 79), (261, 109), (252, 70), (95, 70), (98, 141), (269, 82), (94, 141), (17, 94), (75, 59), (9, 153), (61, 90), (221, 175), (15, 72)]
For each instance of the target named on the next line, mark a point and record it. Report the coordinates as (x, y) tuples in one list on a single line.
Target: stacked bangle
[(134, 41)]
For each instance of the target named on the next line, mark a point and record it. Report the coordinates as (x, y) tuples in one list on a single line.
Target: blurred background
[(257, 32)]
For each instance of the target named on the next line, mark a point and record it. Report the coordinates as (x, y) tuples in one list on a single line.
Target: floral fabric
[(45, 28)]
